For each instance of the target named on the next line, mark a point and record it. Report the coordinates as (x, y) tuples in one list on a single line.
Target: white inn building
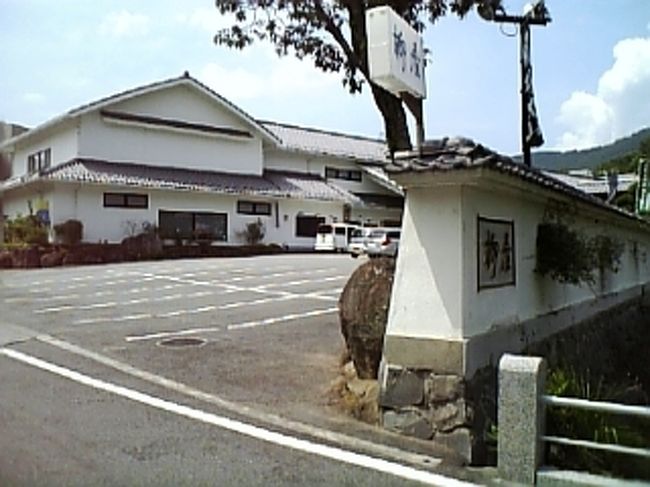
[(176, 154)]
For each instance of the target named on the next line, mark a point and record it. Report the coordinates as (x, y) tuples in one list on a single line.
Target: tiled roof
[(458, 153), (272, 183), (595, 185), (320, 142)]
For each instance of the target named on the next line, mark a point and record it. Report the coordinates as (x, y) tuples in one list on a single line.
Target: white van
[(333, 237), (358, 241)]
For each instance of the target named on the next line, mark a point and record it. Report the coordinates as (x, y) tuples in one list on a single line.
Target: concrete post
[(520, 417)]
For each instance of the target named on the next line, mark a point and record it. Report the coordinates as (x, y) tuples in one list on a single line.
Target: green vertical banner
[(642, 196)]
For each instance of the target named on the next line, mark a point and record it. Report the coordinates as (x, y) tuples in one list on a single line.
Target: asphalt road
[(92, 393)]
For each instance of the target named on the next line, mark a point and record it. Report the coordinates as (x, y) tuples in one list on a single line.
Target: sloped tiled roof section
[(459, 153), (321, 142), (299, 185), (272, 183)]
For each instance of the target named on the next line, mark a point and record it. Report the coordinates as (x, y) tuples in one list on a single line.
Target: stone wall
[(612, 346)]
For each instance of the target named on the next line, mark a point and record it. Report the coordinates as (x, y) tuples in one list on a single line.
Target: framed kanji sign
[(496, 253)]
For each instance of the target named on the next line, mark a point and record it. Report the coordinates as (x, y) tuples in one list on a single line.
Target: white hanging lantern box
[(395, 53)]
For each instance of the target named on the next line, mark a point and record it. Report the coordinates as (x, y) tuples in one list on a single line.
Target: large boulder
[(363, 311)]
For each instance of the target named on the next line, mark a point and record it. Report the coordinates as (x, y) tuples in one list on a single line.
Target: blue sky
[(591, 68)]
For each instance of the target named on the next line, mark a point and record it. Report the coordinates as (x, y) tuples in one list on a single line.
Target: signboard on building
[(496, 253), (395, 53), (642, 193)]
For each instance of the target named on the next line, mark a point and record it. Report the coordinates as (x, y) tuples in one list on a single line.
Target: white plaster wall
[(107, 141), (182, 103), (63, 143), (14, 204), (85, 203), (534, 295), (435, 292), (289, 209), (427, 290), (375, 215)]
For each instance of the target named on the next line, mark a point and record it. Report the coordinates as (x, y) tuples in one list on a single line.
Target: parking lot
[(252, 338), (251, 322)]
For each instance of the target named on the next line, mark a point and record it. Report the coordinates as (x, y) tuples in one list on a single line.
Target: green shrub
[(26, 230), (69, 232), (569, 257), (564, 254)]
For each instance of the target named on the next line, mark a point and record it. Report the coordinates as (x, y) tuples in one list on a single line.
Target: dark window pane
[(262, 208), (137, 201), (211, 225), (245, 207), (306, 226), (339, 230), (253, 208), (331, 172), (176, 224), (114, 200)]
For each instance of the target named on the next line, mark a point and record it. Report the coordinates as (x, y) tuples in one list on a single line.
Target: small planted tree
[(253, 232)]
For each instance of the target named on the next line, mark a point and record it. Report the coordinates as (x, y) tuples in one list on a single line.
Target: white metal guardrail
[(521, 417), (603, 407)]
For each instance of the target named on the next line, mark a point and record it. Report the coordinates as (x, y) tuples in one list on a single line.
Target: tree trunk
[(392, 110)]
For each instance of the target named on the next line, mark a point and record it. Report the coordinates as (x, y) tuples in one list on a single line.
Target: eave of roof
[(279, 184), (462, 154)]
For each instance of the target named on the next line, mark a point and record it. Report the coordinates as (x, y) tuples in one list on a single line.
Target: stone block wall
[(427, 405)]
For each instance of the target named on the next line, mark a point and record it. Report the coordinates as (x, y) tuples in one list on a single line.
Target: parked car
[(383, 241), (333, 237), (358, 241)]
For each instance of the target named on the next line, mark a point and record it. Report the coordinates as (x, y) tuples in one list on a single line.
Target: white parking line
[(63, 297), (248, 324), (243, 410), (69, 307), (191, 311), (303, 281), (290, 317), (112, 304), (256, 432), (117, 319)]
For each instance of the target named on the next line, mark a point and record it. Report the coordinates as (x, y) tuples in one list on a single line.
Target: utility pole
[(537, 14)]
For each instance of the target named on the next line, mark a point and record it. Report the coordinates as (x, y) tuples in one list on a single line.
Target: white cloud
[(620, 105), (124, 24), (207, 19), (265, 75), (34, 98)]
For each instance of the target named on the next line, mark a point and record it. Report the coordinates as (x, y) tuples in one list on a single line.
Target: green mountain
[(588, 158)]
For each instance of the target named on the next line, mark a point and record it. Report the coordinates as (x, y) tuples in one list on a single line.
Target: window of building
[(187, 225), (346, 174), (38, 161), (126, 200), (307, 225), (253, 208)]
